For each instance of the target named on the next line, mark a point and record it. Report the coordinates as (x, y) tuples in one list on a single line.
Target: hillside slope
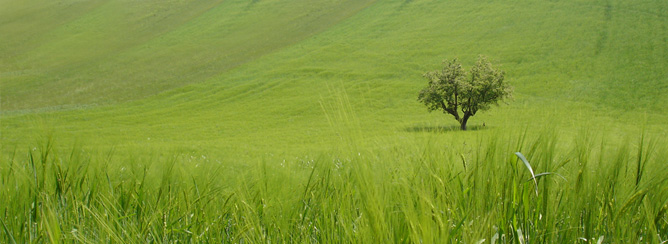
[(86, 52), (573, 64)]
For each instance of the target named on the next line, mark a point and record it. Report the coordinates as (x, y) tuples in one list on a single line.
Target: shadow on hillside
[(443, 128)]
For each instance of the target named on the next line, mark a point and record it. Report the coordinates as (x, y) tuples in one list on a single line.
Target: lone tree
[(453, 90)]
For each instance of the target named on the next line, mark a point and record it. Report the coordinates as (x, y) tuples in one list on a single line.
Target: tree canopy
[(452, 89)]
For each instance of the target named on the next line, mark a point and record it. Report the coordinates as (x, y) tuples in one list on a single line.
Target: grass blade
[(546, 173), (526, 163), (9, 234)]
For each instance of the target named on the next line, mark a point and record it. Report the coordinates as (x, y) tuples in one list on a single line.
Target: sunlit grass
[(426, 193)]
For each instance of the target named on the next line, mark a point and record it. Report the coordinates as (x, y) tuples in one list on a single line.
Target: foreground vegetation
[(589, 192)]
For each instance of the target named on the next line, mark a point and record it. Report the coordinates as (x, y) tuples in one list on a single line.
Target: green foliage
[(452, 90), (420, 194)]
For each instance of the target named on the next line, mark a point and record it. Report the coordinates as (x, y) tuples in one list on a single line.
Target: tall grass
[(590, 192)]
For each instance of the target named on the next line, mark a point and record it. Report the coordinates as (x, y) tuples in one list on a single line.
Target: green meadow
[(276, 121)]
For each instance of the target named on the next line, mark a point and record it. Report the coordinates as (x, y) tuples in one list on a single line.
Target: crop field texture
[(277, 121)]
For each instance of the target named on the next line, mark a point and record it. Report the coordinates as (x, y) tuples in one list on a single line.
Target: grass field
[(295, 121)]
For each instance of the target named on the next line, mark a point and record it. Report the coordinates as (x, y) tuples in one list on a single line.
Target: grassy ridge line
[(121, 51), (431, 192)]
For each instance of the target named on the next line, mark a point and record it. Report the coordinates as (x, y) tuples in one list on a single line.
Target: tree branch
[(450, 111)]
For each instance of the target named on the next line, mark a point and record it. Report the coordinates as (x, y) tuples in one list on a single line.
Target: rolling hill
[(279, 75)]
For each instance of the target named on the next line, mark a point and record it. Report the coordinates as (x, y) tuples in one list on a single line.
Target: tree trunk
[(464, 120)]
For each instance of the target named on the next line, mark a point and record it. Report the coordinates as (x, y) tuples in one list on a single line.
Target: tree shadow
[(443, 128)]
